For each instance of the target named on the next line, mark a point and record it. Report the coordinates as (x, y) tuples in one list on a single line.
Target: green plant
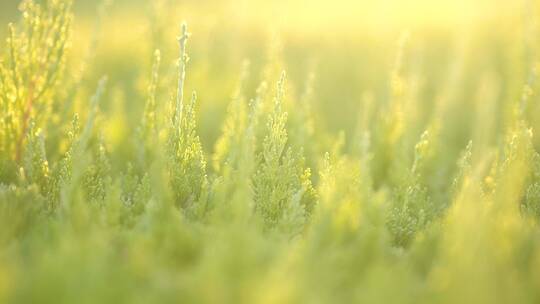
[(322, 190), (186, 159), (282, 187)]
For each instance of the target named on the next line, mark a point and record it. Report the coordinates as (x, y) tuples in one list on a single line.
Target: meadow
[(234, 151)]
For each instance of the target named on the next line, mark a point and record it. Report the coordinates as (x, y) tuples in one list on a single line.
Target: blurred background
[(453, 51)]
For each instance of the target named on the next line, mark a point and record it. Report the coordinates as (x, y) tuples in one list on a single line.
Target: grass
[(308, 169)]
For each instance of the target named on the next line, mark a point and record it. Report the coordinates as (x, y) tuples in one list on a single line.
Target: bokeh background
[(350, 47)]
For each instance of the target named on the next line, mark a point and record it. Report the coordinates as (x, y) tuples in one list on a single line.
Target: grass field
[(294, 151)]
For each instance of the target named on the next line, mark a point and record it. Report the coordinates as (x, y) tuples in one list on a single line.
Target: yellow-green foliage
[(31, 65), (282, 187), (388, 166), (187, 162)]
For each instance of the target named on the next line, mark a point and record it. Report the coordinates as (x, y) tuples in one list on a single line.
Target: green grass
[(291, 176)]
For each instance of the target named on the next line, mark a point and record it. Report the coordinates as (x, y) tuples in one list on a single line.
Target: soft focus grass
[(334, 152)]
